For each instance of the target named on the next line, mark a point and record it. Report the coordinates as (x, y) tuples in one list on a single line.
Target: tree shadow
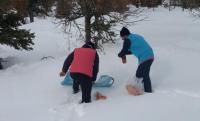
[(8, 62)]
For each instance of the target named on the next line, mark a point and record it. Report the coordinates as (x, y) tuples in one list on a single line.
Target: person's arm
[(67, 64), (125, 49), (95, 67)]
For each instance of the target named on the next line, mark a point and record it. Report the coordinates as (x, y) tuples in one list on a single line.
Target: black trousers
[(1, 67), (86, 85), (143, 71)]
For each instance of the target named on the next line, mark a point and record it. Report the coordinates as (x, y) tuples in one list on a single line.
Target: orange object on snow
[(132, 90), (99, 96)]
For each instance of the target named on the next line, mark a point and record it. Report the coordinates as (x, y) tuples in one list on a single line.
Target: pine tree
[(39, 8), (11, 35)]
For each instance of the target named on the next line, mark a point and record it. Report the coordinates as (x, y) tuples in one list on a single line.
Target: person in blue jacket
[(136, 45)]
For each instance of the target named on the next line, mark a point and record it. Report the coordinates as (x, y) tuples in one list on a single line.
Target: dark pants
[(1, 67), (143, 71), (86, 85)]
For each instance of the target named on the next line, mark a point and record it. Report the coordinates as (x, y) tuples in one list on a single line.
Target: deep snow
[(30, 88)]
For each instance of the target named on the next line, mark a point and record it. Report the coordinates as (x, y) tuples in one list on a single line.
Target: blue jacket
[(136, 45)]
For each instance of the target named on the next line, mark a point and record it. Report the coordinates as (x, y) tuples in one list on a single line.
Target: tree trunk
[(30, 12), (87, 28), (31, 5)]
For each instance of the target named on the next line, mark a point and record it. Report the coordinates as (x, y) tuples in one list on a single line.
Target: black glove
[(120, 55), (93, 80)]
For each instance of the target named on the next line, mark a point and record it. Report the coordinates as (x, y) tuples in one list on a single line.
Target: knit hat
[(124, 32)]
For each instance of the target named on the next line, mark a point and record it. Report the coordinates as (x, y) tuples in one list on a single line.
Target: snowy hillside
[(30, 87)]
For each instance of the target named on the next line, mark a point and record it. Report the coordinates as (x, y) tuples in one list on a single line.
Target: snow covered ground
[(30, 87)]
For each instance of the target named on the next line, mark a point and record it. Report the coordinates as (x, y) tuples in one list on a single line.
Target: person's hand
[(62, 73)]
